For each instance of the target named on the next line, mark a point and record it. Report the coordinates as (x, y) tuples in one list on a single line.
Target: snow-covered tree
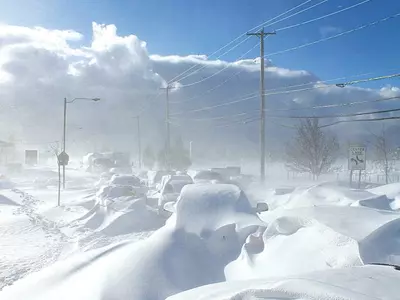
[(313, 150)]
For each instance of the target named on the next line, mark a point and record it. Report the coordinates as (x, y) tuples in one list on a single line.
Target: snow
[(361, 283), (130, 180), (122, 216), (108, 242), (184, 254)]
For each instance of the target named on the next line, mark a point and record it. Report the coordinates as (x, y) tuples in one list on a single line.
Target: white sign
[(357, 158)]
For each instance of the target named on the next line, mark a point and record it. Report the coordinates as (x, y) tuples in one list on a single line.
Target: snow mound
[(390, 190), (361, 283), (191, 250), (123, 215), (383, 245), (328, 194), (282, 251), (204, 207), (355, 222)]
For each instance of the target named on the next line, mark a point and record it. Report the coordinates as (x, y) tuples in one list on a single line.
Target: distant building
[(7, 152)]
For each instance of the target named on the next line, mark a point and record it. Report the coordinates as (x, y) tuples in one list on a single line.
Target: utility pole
[(168, 137), (64, 137), (261, 35), (139, 142)]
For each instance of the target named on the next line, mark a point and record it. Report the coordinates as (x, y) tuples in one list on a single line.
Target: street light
[(65, 126)]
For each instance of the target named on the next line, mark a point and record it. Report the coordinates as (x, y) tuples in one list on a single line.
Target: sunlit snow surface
[(316, 242)]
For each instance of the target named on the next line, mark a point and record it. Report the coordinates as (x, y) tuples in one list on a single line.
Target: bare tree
[(383, 153), (313, 151)]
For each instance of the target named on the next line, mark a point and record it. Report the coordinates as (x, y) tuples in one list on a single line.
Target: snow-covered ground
[(317, 241)]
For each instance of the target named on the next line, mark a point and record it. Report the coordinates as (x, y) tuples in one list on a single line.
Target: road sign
[(31, 157), (357, 157), (63, 159)]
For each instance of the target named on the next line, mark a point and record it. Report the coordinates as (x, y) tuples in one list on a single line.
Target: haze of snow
[(40, 66)]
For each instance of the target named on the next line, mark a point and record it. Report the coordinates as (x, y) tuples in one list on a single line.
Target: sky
[(202, 26), (124, 51)]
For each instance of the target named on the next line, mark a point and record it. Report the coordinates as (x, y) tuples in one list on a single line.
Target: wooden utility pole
[(168, 137), (261, 35)]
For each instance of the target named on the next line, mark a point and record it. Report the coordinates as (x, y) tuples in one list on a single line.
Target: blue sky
[(202, 26)]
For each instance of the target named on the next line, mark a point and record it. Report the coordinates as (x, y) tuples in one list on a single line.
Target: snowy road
[(213, 236)]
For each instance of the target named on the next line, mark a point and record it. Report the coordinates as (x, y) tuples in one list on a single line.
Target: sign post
[(357, 161)]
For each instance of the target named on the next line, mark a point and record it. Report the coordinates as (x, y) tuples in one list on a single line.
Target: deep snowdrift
[(313, 237), (361, 283), (122, 215), (293, 245), (330, 194), (207, 231)]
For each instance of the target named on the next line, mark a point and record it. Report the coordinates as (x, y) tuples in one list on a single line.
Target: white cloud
[(39, 67)]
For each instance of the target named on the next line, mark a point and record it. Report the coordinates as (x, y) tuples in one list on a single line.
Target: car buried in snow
[(207, 232), (170, 189), (129, 182), (211, 191)]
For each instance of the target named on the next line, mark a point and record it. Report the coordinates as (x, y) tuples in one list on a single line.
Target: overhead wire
[(312, 43), (283, 88), (239, 37), (360, 120), (252, 96), (219, 71), (300, 108), (334, 36), (268, 23), (368, 80), (323, 17), (338, 115), (259, 26)]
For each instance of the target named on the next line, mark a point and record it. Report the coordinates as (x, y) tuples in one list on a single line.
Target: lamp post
[(65, 126)]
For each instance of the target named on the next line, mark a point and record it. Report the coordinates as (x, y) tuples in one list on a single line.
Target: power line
[(360, 120), (266, 24), (335, 105), (334, 36), (239, 37), (323, 17), (367, 80), (212, 89), (215, 106), (337, 116), (295, 14), (313, 43), (278, 21), (243, 122), (300, 108), (284, 88), (252, 96), (220, 117), (219, 71)]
